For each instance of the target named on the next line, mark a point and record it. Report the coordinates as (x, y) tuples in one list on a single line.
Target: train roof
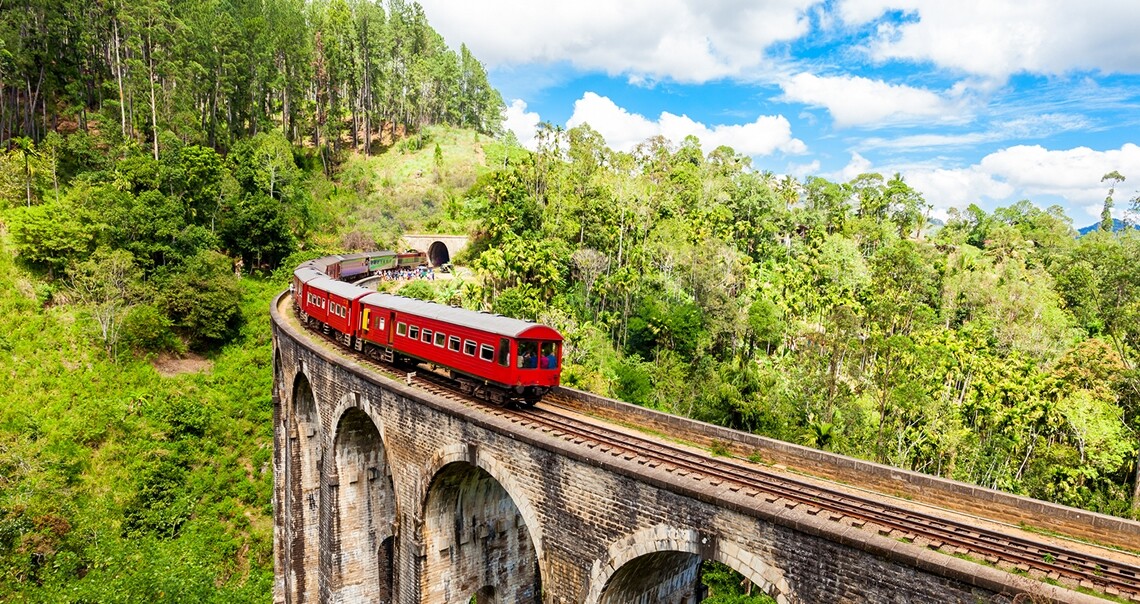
[(307, 272), (487, 322), (339, 288), (353, 256), (322, 264)]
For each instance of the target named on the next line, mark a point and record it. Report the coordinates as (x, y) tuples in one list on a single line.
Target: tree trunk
[(1136, 487), (153, 107), (119, 77)]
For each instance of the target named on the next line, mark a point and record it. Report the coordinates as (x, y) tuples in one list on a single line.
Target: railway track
[(1045, 560), (1016, 553)]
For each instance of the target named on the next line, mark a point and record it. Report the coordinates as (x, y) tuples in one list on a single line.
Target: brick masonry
[(385, 493)]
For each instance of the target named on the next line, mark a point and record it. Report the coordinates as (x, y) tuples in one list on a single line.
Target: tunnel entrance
[(438, 254)]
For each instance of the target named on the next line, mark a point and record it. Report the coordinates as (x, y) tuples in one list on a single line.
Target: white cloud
[(944, 188), (858, 165), (802, 171), (858, 101), (1073, 174), (996, 38), (623, 130), (1071, 177), (685, 40), (523, 123), (1027, 127)]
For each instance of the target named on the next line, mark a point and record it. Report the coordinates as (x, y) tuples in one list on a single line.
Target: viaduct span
[(385, 492)]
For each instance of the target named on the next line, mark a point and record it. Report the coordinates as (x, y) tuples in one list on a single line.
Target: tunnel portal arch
[(438, 254)]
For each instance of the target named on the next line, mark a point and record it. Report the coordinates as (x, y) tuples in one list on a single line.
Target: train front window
[(528, 354), (549, 356)]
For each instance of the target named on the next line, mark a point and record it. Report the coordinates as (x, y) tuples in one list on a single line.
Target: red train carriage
[(304, 274), (496, 357), (335, 305)]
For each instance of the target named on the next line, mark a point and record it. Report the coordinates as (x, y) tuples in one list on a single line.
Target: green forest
[(166, 164)]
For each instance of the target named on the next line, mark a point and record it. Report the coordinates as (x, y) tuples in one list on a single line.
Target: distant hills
[(1117, 225)]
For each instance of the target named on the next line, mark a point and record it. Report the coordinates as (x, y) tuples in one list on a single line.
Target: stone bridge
[(386, 493), (440, 249)]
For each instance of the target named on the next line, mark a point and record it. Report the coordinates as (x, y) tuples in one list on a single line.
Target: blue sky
[(974, 101)]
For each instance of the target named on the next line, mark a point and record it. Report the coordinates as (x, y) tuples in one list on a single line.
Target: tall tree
[(1106, 221)]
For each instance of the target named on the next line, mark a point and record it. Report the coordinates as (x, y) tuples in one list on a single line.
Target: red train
[(491, 356)]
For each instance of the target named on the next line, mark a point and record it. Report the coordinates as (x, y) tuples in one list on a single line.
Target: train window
[(504, 352), (453, 343), (528, 354), (440, 339), (487, 352), (401, 329), (427, 336), (469, 348), (379, 322), (548, 359), (413, 332)]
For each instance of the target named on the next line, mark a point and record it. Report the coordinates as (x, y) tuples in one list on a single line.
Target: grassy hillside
[(407, 189), (118, 484)]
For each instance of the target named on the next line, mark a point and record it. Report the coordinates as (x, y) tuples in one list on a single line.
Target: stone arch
[(506, 478), (475, 540), (304, 448), (641, 566), (361, 511), (486, 595), (438, 254)]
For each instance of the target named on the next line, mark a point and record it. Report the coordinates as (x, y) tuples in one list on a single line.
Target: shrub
[(147, 330)]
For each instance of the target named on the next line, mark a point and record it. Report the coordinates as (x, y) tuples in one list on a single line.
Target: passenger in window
[(528, 355), (549, 361)]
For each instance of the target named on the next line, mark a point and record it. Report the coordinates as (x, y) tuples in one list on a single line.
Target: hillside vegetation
[(998, 350), (152, 152), (118, 484)]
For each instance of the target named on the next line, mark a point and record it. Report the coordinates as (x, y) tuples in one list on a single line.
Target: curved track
[(1046, 560)]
